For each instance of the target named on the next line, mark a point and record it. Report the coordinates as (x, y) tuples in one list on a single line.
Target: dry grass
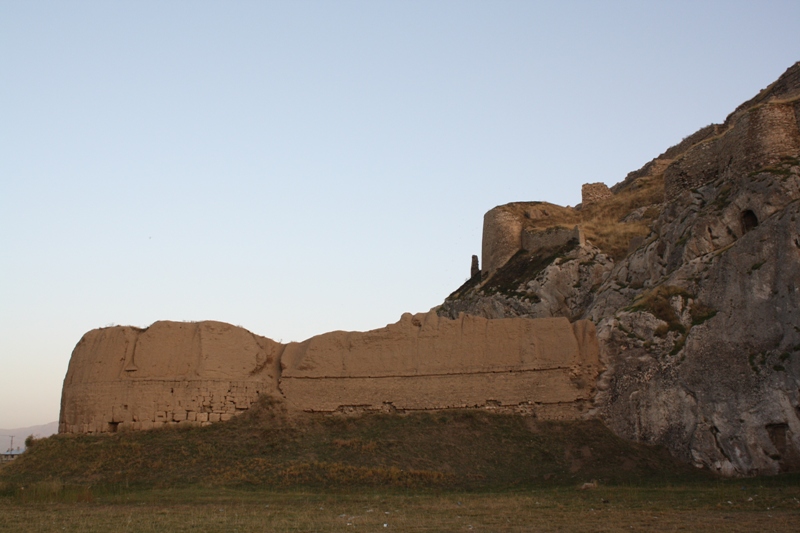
[(458, 449), (741, 506), (444, 471), (602, 222)]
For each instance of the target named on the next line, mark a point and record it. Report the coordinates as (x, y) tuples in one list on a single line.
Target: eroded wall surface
[(198, 373), (170, 373), (430, 362)]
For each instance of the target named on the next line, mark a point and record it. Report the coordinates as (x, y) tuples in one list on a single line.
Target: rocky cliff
[(690, 271)]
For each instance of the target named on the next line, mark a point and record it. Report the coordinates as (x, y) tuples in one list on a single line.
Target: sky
[(307, 166)]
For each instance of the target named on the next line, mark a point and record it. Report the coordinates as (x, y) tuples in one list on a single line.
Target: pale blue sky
[(299, 167)]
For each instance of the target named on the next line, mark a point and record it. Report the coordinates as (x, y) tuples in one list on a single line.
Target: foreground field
[(729, 506), (440, 471), (454, 450)]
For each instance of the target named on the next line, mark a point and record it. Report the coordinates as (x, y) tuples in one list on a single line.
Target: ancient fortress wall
[(505, 233), (551, 238), (169, 373), (591, 193), (198, 373), (759, 137), (502, 238), (430, 362)]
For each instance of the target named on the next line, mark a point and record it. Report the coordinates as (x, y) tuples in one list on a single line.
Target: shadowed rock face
[(198, 373)]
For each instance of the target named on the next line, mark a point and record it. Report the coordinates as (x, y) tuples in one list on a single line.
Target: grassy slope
[(450, 449)]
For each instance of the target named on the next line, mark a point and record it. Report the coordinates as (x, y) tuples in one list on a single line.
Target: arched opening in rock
[(749, 221)]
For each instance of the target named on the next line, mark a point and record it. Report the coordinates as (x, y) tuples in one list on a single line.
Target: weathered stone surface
[(502, 238), (712, 367), (544, 241), (502, 231), (563, 288), (197, 373), (474, 269), (428, 362), (591, 193), (759, 138), (123, 377), (699, 324)]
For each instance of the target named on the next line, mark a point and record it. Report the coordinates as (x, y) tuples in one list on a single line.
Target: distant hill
[(20, 434)]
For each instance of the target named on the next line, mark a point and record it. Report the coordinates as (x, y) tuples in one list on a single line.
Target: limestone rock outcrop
[(123, 378), (561, 282), (698, 321)]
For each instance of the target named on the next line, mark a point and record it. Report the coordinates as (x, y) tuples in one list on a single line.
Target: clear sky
[(300, 167)]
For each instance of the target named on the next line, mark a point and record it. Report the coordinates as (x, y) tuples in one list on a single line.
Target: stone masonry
[(591, 193), (123, 378)]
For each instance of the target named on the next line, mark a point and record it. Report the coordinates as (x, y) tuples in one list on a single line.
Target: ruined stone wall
[(591, 193), (430, 362), (502, 230), (170, 373), (197, 373), (551, 238), (759, 138)]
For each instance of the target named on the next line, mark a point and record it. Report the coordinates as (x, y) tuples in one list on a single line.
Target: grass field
[(469, 470), (728, 506), (455, 450)]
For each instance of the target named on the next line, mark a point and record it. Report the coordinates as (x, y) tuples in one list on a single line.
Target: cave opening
[(749, 220)]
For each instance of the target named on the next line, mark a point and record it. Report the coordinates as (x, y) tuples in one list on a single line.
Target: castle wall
[(591, 193), (170, 373), (175, 373), (551, 238), (502, 230), (758, 138), (430, 362)]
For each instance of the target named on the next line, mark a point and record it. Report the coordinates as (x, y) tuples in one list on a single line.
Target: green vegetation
[(701, 312), (432, 471), (723, 197), (756, 267), (464, 449), (521, 268), (468, 285), (736, 505), (657, 303), (783, 168)]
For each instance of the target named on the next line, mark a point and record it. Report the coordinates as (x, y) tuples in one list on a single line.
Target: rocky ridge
[(690, 271)]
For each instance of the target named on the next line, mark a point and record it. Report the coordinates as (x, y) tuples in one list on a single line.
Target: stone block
[(591, 193)]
